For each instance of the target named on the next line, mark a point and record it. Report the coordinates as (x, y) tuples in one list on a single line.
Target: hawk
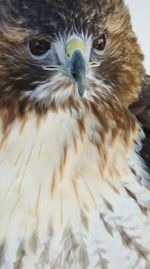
[(74, 191)]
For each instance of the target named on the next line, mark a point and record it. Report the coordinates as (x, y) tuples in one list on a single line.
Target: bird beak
[(75, 51)]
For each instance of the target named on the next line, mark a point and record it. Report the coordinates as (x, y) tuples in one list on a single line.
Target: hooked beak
[(75, 50)]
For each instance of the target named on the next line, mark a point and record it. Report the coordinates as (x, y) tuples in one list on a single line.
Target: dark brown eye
[(100, 42), (39, 47)]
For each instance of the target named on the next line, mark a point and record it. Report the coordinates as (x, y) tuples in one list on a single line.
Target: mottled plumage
[(141, 109), (74, 191)]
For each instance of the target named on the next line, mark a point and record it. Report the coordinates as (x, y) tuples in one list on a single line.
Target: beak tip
[(81, 89)]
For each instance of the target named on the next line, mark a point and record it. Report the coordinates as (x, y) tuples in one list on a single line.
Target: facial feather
[(121, 66)]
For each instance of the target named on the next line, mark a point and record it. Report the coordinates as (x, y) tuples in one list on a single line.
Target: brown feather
[(141, 109)]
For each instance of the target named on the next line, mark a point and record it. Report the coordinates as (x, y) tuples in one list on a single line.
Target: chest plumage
[(70, 193)]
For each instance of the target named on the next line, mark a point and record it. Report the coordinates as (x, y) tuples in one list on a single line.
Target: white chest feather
[(70, 198)]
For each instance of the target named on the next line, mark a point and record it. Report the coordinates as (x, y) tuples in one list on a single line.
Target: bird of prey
[(74, 191)]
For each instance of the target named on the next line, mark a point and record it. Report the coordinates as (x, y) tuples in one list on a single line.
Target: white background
[(140, 14)]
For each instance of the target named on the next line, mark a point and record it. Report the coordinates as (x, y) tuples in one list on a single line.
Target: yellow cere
[(73, 44)]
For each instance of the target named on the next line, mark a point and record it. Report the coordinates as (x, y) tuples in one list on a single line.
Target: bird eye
[(100, 42), (39, 47)]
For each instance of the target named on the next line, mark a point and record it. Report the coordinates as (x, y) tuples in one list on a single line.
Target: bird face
[(66, 54)]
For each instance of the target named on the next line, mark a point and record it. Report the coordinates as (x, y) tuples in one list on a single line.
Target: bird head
[(66, 54)]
